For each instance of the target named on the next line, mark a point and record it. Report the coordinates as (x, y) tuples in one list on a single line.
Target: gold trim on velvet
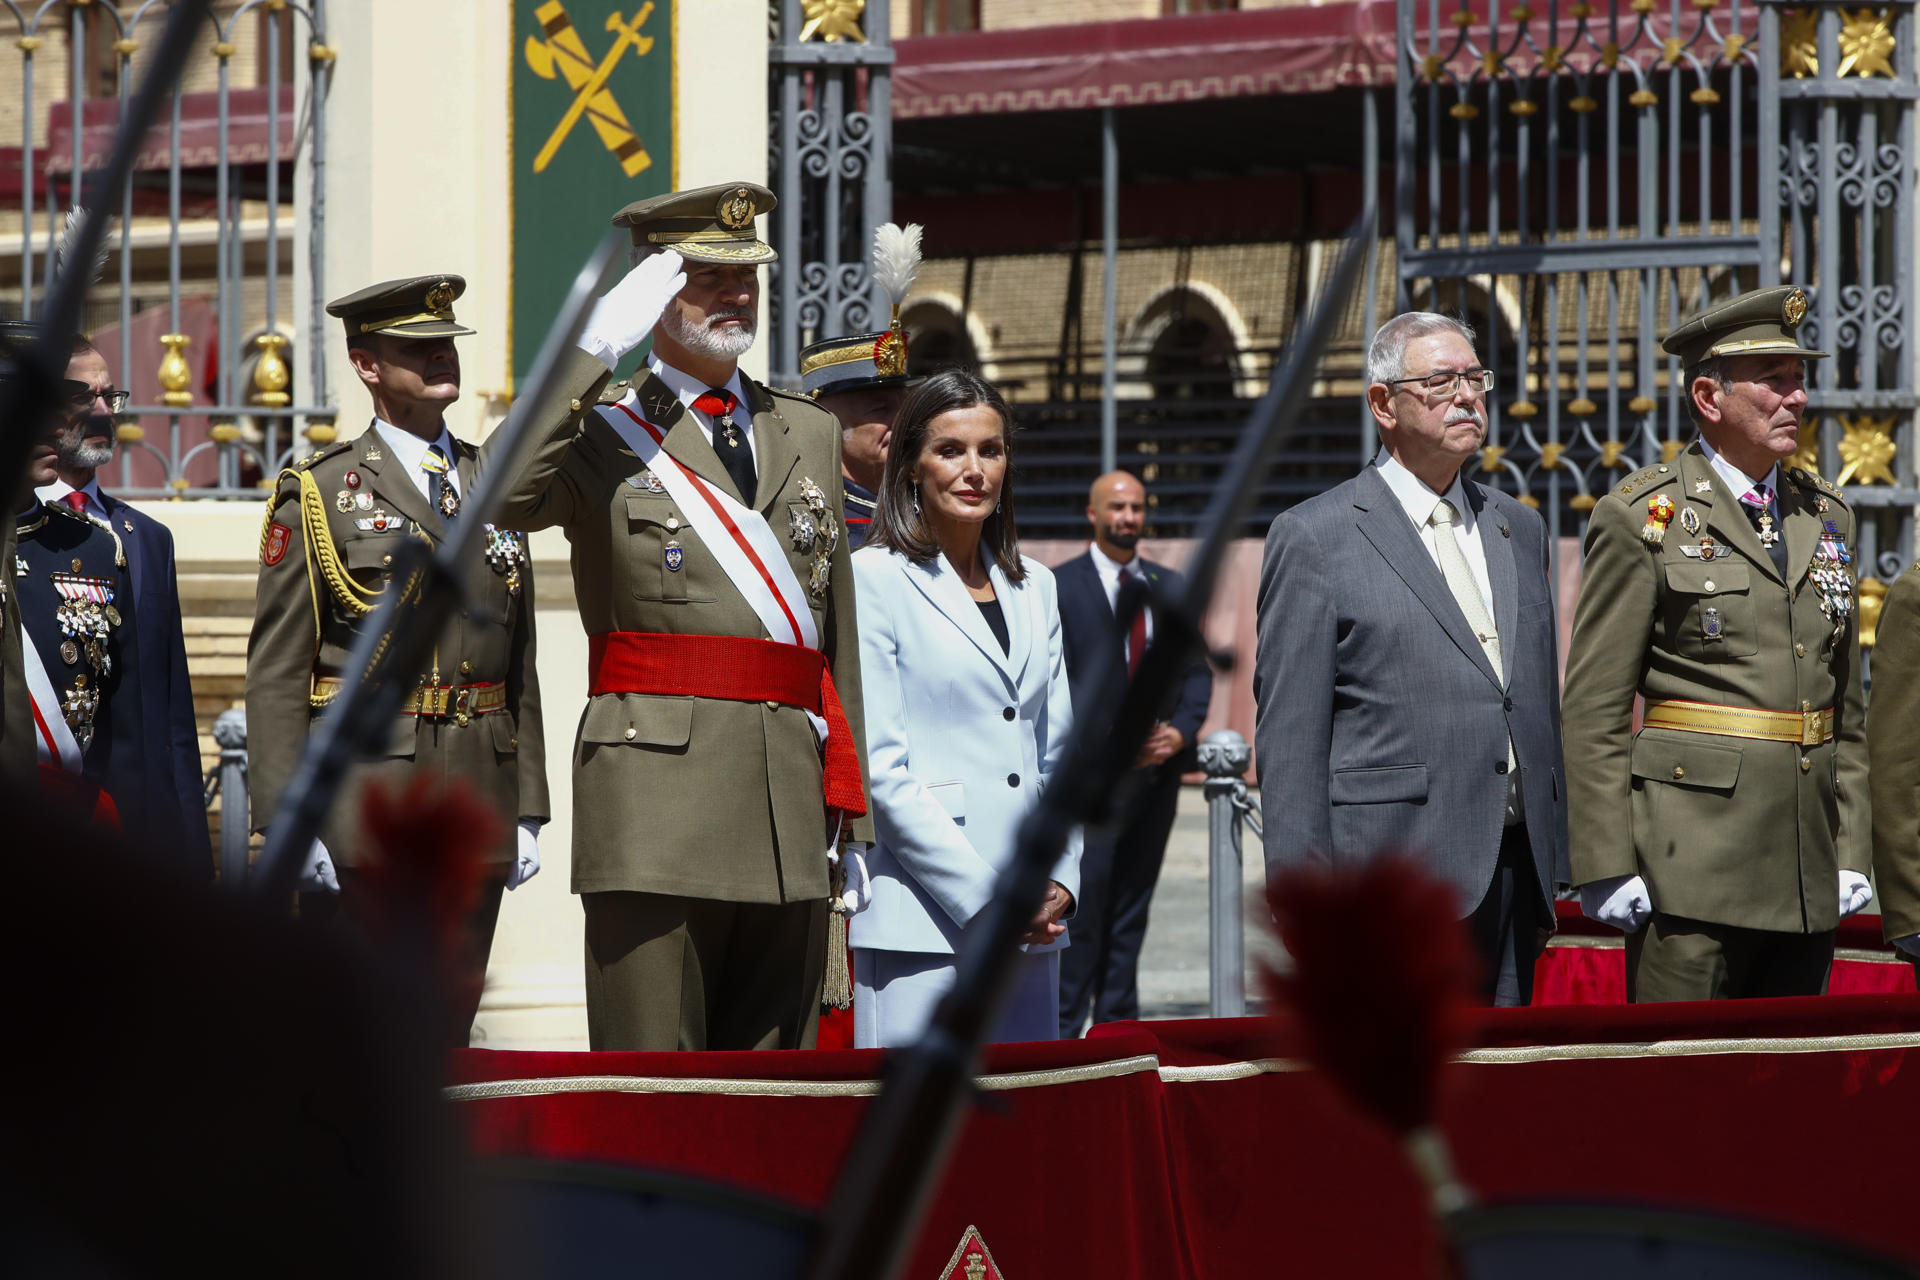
[(488, 1090)]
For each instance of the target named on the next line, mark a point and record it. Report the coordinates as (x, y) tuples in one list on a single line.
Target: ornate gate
[(831, 65), (1576, 177)]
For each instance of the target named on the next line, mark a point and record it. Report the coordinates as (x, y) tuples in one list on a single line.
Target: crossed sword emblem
[(564, 52)]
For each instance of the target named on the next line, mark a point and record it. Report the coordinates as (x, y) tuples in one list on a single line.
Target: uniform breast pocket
[(370, 560), (1710, 610), (659, 549)]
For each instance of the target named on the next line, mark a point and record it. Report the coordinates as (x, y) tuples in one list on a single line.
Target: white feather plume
[(69, 238), (896, 259)]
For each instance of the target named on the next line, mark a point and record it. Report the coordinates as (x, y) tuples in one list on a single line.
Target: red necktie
[(716, 402), (1136, 641), (75, 499)]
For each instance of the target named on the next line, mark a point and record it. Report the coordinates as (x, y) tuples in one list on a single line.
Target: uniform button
[(514, 743), (386, 559), (1006, 713), (1679, 771), (772, 705), (1799, 651), (1806, 765), (1501, 767), (466, 668), (1708, 584), (673, 522), (1013, 779), (1506, 704), (632, 734)]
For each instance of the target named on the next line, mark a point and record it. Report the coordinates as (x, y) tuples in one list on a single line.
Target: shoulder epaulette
[(1805, 477), (321, 455), (1646, 478), (614, 392)]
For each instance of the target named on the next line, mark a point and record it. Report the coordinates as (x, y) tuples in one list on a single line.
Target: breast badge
[(379, 522), (674, 557), (814, 531), (506, 557), (86, 617)]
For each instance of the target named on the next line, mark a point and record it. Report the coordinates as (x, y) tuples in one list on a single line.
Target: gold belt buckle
[(1811, 734), (462, 703)]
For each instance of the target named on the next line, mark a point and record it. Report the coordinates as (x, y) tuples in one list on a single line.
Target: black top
[(997, 620)]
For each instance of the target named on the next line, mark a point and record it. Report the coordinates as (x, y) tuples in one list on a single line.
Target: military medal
[(1768, 534), (1710, 623), (353, 480), (78, 707), (814, 530), (364, 501), (505, 556), (343, 501), (674, 557), (449, 502), (69, 652), (1690, 520), (1659, 515)]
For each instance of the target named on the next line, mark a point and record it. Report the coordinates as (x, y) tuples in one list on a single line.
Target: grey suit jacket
[(1380, 723)]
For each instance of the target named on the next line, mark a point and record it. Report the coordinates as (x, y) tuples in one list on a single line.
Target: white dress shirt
[(1737, 480), (412, 450), (59, 489), (1111, 571), (1419, 502), (688, 388)]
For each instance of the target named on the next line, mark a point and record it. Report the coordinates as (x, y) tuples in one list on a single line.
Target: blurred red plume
[(427, 850), (1382, 979)]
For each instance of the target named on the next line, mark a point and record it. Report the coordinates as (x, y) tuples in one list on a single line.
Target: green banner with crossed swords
[(592, 117)]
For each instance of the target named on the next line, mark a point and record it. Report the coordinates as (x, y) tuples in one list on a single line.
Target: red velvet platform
[(1586, 962), (1203, 1149)]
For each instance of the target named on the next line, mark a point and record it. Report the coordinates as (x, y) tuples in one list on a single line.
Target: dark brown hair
[(897, 526)]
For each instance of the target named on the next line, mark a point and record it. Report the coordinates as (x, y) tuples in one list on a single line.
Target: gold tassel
[(836, 991)]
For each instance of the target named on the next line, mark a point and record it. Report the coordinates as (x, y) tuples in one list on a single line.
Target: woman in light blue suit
[(967, 712)]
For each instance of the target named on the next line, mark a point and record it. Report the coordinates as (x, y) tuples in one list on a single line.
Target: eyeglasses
[(1443, 383), (81, 397)]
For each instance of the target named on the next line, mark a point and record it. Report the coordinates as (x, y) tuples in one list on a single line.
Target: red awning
[(1295, 49), (199, 132)]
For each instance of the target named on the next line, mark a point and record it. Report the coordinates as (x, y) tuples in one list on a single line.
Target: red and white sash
[(741, 540), (53, 740)]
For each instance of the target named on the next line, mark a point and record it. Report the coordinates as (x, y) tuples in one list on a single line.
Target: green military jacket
[(696, 797), (1724, 829), (313, 592), (1893, 744)]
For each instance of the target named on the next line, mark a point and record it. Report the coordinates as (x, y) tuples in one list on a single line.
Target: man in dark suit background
[(172, 803), (1406, 686), (1119, 867)]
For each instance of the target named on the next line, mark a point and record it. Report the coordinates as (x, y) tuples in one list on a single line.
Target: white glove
[(1620, 901), (527, 864), (1855, 892), (623, 318), (318, 875), (858, 895), (1909, 944)]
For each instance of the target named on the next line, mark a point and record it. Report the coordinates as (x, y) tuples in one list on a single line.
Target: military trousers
[(1673, 958), (667, 972)]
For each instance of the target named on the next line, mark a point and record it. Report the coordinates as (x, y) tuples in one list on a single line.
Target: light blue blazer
[(961, 739)]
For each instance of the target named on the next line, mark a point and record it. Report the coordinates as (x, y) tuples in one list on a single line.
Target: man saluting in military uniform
[(335, 527), (721, 748), (1731, 834)]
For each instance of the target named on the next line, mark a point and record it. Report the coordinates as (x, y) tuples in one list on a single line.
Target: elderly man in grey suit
[(1407, 687)]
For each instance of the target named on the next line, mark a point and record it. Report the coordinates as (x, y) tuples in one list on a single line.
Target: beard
[(715, 344), (1124, 541), (75, 452)]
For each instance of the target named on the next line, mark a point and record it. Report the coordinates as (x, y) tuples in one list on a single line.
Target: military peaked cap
[(1762, 323), (417, 307), (707, 224)]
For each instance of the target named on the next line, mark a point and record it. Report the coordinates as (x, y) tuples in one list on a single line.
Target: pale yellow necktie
[(1466, 592)]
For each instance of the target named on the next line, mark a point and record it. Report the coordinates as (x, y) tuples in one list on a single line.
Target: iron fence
[(1577, 177), (831, 138), (213, 187)]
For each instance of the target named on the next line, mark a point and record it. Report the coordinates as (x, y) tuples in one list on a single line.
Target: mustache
[(730, 313), (1465, 415)]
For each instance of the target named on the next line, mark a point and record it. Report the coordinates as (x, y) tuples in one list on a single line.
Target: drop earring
[(916, 502)]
